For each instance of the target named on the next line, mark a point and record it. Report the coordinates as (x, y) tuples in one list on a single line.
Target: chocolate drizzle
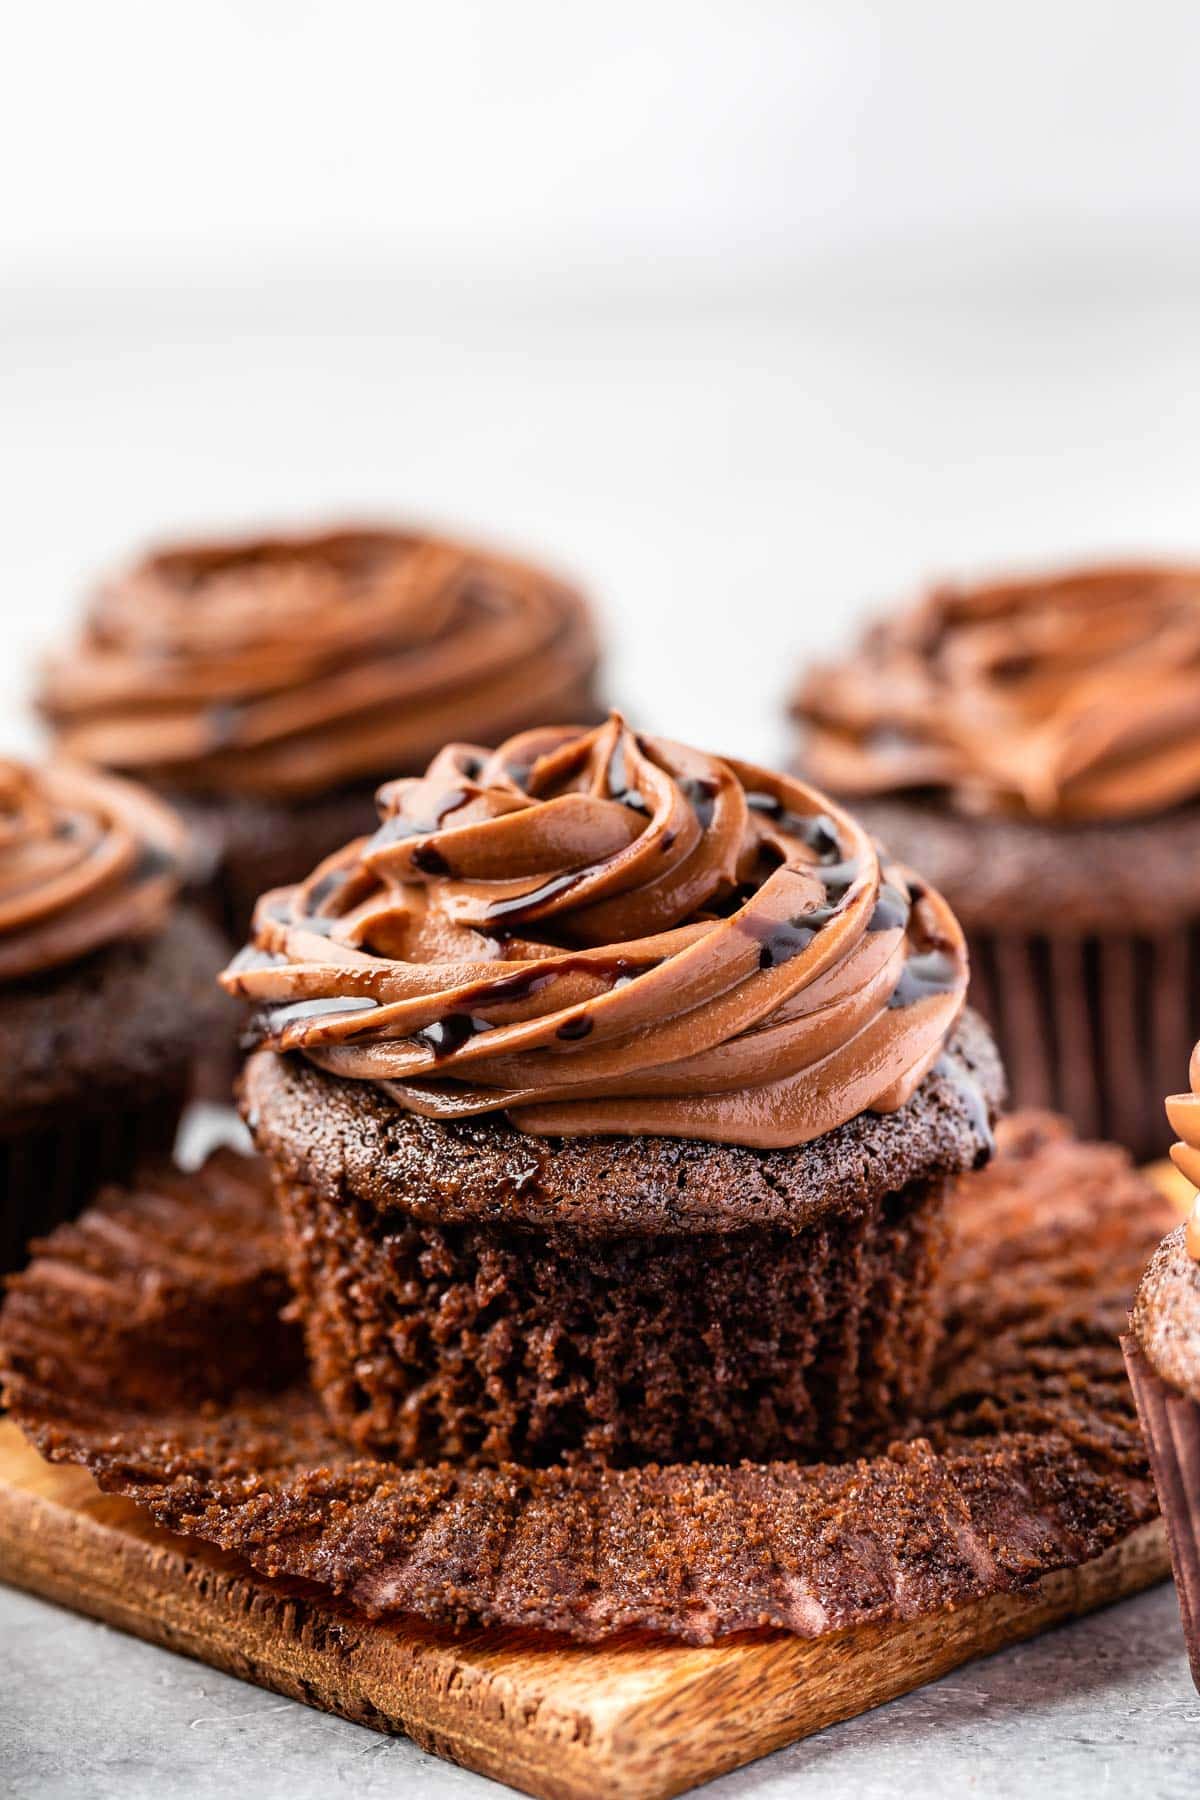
[(725, 959), (932, 972)]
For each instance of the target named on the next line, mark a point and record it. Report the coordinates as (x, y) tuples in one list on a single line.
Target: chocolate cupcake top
[(85, 860), (1073, 697), (1183, 1112), (284, 666), (596, 931), (1166, 1311)]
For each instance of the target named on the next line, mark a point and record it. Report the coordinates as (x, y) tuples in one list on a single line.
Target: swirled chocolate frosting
[(1183, 1112), (596, 931), (85, 860), (1070, 698), (285, 666)]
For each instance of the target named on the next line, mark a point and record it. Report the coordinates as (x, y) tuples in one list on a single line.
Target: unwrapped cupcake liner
[(1170, 1423)]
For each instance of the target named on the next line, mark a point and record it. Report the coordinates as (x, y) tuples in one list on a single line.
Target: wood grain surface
[(631, 1718)]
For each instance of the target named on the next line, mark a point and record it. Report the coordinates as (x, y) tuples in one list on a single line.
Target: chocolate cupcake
[(1162, 1355), (266, 687), (1036, 745), (612, 1092), (107, 995)]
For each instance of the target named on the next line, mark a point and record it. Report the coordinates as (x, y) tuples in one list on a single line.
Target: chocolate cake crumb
[(341, 1137), (1166, 1315), (473, 1293)]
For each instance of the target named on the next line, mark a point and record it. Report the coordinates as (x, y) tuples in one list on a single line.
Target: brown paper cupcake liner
[(49, 1170), (1171, 1427), (142, 1344), (1096, 1028)]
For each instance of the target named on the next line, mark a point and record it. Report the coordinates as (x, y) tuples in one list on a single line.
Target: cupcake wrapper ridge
[(1170, 1424)]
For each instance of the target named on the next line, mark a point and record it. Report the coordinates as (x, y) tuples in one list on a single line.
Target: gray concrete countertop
[(1102, 1706)]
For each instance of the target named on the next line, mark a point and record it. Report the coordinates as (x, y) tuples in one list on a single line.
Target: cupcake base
[(1029, 1459), (99, 1060), (483, 1344), (1096, 1028), (1170, 1424), (48, 1171), (472, 1292), (1084, 943)]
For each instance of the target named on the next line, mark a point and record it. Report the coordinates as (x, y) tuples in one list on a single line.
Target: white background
[(750, 314)]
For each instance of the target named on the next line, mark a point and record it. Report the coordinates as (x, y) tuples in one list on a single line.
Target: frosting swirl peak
[(1072, 697), (1183, 1112), (285, 666), (85, 859), (596, 931)]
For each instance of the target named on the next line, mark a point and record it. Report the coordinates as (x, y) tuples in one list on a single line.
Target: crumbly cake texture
[(1165, 1320), (341, 1137), (1029, 1458), (485, 1344), (474, 1293)]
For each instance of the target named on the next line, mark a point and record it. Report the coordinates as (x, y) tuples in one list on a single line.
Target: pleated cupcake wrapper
[(1170, 1424), (1096, 1028), (139, 1348), (481, 1343), (48, 1172)]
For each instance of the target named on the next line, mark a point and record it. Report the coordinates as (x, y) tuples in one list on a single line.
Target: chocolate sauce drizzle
[(689, 922)]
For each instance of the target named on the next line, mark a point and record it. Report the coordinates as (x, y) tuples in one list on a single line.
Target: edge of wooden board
[(629, 1718)]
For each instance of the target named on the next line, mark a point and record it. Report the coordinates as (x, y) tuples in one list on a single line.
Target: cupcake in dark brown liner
[(266, 687), (1162, 1354), (1036, 746), (612, 1091), (106, 989)]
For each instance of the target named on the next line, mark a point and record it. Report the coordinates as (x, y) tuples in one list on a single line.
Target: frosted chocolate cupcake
[(1162, 1354), (612, 1091), (267, 686), (1037, 745), (106, 993)]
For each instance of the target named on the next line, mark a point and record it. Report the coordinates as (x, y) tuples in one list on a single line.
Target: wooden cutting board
[(632, 1718)]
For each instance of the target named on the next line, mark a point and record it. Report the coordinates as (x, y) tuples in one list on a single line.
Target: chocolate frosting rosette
[(1039, 741), (655, 1040), (84, 861), (268, 685), (105, 988), (596, 932)]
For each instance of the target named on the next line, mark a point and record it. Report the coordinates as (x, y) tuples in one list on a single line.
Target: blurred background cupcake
[(1034, 746), (267, 686), (106, 992), (1162, 1354)]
